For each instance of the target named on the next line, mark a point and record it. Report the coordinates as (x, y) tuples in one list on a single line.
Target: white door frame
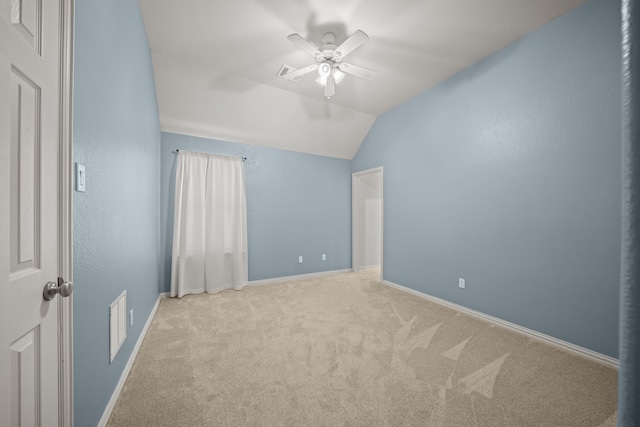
[(357, 249), (65, 228)]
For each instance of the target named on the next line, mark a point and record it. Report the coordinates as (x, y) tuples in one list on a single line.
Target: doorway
[(367, 202)]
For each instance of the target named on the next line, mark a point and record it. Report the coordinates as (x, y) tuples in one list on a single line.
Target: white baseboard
[(298, 277), (593, 355), (125, 373), (365, 267)]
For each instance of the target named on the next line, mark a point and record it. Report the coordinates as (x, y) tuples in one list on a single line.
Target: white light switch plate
[(462, 283), (80, 177)]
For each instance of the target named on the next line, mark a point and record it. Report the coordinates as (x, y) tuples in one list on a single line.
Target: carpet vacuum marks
[(346, 350)]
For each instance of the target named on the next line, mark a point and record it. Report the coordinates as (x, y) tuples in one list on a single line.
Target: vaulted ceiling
[(216, 62)]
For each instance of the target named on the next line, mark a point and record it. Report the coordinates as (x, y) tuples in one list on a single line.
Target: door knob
[(52, 288)]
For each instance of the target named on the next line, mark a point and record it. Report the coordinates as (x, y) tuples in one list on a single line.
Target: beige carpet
[(347, 351)]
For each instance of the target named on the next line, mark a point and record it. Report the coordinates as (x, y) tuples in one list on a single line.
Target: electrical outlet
[(462, 283), (300, 259), (131, 317), (324, 257)]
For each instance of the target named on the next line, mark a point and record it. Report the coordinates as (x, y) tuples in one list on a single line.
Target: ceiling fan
[(329, 60)]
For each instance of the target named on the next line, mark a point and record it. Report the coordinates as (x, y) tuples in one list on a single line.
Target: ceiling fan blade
[(302, 71), (350, 44), (355, 70), (304, 44)]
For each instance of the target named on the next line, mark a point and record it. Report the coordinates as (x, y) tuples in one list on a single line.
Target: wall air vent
[(117, 324), (287, 69)]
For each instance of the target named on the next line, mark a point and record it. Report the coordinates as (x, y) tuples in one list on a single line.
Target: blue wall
[(508, 175), (116, 221), (297, 204)]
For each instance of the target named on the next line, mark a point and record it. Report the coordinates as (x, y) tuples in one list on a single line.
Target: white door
[(29, 194)]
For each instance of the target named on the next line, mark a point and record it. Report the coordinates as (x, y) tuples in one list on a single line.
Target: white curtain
[(210, 225)]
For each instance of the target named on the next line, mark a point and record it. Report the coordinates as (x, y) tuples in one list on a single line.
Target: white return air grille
[(117, 324)]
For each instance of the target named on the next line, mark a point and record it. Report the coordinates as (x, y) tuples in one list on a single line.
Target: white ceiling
[(215, 62)]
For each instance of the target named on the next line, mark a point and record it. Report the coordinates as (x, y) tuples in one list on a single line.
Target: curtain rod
[(242, 157)]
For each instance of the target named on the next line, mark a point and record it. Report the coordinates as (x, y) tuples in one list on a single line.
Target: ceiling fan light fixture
[(338, 76), (324, 70)]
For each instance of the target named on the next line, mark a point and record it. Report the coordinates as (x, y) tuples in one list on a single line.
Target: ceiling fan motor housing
[(328, 48)]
